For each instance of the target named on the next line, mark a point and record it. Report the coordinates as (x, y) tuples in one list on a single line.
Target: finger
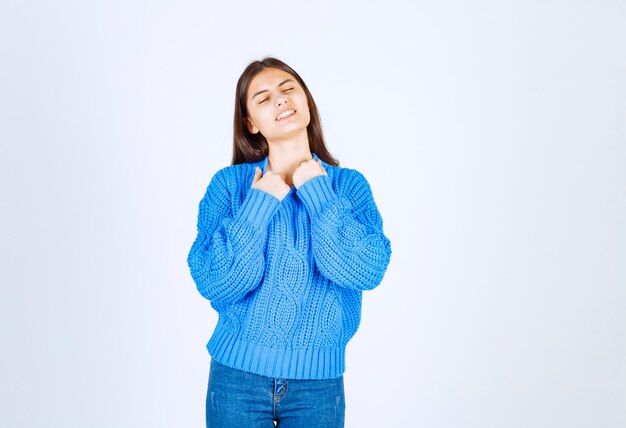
[(257, 175)]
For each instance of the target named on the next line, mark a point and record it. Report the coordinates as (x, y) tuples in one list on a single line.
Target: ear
[(253, 129)]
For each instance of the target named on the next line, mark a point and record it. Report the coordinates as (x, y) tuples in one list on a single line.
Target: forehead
[(267, 79)]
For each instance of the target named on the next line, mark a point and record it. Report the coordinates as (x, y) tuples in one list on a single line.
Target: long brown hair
[(248, 147)]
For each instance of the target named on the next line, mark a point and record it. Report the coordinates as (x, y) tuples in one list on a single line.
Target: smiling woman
[(279, 109), (287, 241)]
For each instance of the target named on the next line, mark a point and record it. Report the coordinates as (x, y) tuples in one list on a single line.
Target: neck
[(286, 156)]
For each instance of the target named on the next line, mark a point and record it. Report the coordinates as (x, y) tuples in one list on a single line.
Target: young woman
[(287, 241)]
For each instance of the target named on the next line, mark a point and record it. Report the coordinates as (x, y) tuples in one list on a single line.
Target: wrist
[(315, 192)]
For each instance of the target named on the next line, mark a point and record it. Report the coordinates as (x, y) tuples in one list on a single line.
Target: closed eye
[(267, 98)]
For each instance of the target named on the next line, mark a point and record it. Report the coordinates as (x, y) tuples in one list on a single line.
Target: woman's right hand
[(270, 183)]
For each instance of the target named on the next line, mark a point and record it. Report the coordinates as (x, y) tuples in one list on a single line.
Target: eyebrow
[(265, 90)]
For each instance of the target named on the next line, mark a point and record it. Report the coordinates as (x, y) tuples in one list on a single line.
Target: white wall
[(493, 135)]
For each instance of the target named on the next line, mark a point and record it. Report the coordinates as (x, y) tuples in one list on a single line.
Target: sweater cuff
[(258, 208), (315, 192)]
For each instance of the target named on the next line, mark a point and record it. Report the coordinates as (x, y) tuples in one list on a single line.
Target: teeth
[(285, 114)]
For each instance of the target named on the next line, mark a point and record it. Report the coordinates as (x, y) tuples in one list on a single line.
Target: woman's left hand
[(306, 171)]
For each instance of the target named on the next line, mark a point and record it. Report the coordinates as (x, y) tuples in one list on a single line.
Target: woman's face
[(277, 105)]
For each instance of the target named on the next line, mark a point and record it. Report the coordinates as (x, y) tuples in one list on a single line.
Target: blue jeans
[(240, 399)]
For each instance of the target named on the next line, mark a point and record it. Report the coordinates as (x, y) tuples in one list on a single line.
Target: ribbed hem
[(277, 363), (258, 208), (315, 192)]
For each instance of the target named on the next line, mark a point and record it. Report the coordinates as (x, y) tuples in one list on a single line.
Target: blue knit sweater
[(286, 276)]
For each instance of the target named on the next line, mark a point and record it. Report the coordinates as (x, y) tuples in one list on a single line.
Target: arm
[(226, 259), (348, 242)]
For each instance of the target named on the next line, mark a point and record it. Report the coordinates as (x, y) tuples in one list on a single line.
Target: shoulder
[(230, 181), (232, 175), (346, 178), (351, 185), (234, 172)]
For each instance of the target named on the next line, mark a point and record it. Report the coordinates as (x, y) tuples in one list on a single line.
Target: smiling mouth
[(285, 114)]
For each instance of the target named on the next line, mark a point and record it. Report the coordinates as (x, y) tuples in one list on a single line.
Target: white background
[(493, 135)]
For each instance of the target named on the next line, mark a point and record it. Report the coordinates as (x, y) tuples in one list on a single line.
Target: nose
[(281, 100)]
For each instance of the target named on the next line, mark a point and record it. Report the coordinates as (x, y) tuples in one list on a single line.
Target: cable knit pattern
[(286, 276)]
